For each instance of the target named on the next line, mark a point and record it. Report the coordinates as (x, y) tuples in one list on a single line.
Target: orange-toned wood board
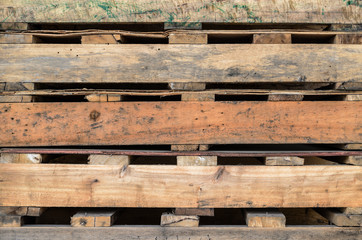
[(63, 185), (161, 63), (132, 123)]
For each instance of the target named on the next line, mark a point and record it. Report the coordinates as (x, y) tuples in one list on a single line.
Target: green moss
[(353, 2)]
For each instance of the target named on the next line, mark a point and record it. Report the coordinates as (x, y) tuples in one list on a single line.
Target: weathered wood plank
[(109, 159), (127, 123), (352, 211), (99, 39), (20, 158), (341, 219), (171, 220), (272, 38), (93, 218), (187, 38), (283, 161), (195, 211), (22, 211), (11, 221), (264, 218), (196, 160), (195, 187), (187, 11), (171, 63), (189, 233)]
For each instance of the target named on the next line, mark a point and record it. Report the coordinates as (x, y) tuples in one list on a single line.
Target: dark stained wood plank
[(127, 123), (175, 63), (180, 187)]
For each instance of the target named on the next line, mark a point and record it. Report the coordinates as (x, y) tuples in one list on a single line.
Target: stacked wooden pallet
[(196, 125)]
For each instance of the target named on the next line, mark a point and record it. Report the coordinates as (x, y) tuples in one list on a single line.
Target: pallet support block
[(264, 218), (283, 161), (100, 39), (20, 158), (94, 218), (272, 38), (172, 220), (11, 221), (187, 38), (17, 86), (109, 160), (341, 219)]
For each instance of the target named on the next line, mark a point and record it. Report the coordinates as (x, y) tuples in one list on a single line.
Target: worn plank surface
[(185, 233), (176, 186), (186, 11), (127, 123), (94, 218), (264, 218), (180, 63), (171, 220)]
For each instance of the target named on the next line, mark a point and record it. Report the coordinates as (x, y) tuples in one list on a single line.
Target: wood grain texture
[(62, 185), (185, 11), (341, 219), (127, 123), (185, 233), (94, 218), (171, 220), (264, 218), (180, 63)]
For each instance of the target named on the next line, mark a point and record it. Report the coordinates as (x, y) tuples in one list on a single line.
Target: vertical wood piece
[(109, 159), (20, 158), (283, 161), (195, 211), (11, 221), (355, 97), (171, 220), (94, 218), (351, 211), (272, 38), (188, 86), (99, 39), (196, 160), (348, 39), (198, 97), (341, 219), (187, 38), (264, 218), (285, 97)]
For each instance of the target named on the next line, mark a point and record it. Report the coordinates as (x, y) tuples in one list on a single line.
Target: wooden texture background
[(183, 11)]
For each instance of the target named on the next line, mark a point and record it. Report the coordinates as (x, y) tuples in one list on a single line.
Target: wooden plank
[(264, 218), (14, 26), (99, 39), (94, 218), (11, 221), (170, 11), (203, 232), (22, 211), (17, 86), (348, 39), (353, 160), (195, 187), (16, 38), (283, 161), (272, 38), (198, 97), (195, 211), (196, 160), (187, 38), (355, 97), (285, 97), (341, 219), (171, 220), (351, 211), (109, 159), (357, 146), (127, 123), (188, 86), (20, 158), (171, 63)]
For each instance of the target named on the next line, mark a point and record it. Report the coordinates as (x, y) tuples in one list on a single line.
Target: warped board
[(132, 123), (185, 11), (57, 232), (72, 185), (57, 63)]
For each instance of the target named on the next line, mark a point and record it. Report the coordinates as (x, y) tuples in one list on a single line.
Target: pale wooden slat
[(195, 186)]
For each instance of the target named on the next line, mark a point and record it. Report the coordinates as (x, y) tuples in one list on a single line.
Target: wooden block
[(171, 220), (356, 146), (94, 218), (285, 97), (195, 187), (11, 221), (2, 86), (114, 98), (355, 38), (198, 97), (22, 211), (14, 26), (20, 158), (99, 39), (19, 86), (188, 86), (196, 160), (204, 147), (109, 159), (341, 219), (170, 63), (187, 38), (283, 161), (97, 98), (317, 161), (272, 38), (349, 86), (195, 211), (182, 25), (351, 211), (185, 147), (16, 38), (136, 123), (353, 160), (264, 218), (354, 97)]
